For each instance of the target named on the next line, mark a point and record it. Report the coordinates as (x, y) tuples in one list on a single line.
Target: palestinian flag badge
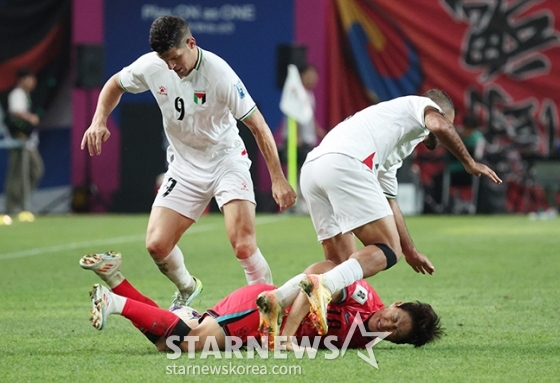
[(199, 97)]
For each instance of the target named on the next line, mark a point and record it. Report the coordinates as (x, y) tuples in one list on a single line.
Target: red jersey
[(238, 314)]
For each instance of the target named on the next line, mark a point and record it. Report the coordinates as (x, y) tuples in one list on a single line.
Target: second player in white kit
[(349, 184)]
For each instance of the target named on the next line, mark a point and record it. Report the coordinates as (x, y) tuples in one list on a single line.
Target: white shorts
[(342, 194), (190, 192)]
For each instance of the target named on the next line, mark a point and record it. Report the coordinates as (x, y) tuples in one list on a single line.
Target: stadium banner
[(499, 59)]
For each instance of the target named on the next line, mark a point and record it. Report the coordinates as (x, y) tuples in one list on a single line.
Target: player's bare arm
[(448, 136), (418, 261), (283, 193), (97, 133)]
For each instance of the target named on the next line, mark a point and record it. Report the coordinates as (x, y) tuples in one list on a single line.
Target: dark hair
[(441, 98), (426, 326), (24, 72), (168, 32)]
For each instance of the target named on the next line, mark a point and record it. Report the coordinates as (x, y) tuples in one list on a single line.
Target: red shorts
[(238, 313)]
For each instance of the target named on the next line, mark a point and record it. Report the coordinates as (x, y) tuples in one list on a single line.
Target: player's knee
[(244, 249), (391, 256), (157, 248)]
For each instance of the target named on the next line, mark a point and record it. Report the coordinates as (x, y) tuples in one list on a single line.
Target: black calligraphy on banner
[(509, 38), (507, 120), (500, 41), (514, 132)]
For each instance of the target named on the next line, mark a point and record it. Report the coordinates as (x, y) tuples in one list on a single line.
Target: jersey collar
[(199, 60), (196, 66)]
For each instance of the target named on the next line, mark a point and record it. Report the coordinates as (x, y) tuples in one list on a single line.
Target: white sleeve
[(232, 91), (132, 78), (388, 180), (17, 101)]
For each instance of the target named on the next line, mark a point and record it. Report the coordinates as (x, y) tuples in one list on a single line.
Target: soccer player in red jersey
[(245, 314)]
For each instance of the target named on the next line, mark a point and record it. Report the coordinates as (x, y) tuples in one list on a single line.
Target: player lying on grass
[(238, 313)]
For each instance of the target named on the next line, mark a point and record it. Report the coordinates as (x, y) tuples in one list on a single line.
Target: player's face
[(183, 59), (391, 319)]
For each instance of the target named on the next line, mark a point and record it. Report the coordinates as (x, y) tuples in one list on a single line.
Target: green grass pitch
[(496, 288)]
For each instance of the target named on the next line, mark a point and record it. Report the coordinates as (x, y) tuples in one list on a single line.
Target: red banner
[(499, 59)]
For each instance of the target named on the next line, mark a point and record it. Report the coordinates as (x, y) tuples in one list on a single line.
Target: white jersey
[(390, 129), (199, 111), (381, 136)]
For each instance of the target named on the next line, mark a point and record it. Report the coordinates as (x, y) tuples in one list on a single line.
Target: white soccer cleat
[(100, 301), (105, 265), (181, 299)]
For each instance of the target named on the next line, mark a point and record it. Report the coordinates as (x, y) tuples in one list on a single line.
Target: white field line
[(115, 240)]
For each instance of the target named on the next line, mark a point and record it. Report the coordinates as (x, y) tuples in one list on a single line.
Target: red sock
[(152, 319), (125, 289)]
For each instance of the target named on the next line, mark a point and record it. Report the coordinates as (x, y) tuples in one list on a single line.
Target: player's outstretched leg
[(319, 297), (181, 299), (100, 305), (270, 316), (107, 266)]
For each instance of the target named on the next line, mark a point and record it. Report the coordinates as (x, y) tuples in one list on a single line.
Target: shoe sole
[(98, 307), (318, 309), (270, 319), (101, 263)]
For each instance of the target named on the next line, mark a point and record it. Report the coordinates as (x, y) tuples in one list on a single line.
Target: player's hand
[(93, 137), (479, 169), (419, 263), (283, 194)]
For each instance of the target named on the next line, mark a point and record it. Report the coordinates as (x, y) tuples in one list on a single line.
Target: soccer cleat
[(105, 265), (100, 301), (181, 299), (270, 316), (319, 297)]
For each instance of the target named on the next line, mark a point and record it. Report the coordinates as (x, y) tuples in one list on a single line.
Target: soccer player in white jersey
[(201, 98), (349, 184)]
